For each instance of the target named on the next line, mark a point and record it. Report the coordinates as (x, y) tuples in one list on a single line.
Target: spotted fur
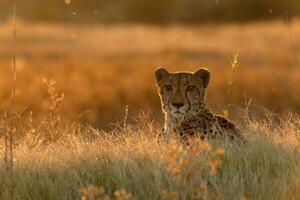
[(183, 103)]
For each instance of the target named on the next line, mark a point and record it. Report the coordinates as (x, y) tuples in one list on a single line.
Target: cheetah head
[(183, 93)]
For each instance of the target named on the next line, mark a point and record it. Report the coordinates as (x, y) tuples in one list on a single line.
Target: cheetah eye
[(190, 88), (168, 87)]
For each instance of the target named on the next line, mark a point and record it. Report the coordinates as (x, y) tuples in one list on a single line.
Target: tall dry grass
[(134, 163)]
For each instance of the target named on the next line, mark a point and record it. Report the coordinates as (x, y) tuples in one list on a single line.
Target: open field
[(102, 69), (133, 163), (72, 79)]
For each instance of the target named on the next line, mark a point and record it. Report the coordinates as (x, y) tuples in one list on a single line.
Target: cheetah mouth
[(178, 113)]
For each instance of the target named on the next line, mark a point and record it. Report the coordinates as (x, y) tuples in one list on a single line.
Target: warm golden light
[(68, 2), (81, 86)]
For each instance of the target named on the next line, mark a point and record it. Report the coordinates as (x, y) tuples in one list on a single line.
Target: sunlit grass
[(135, 162)]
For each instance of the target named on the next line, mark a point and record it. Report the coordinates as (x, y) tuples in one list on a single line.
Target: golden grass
[(134, 163), (102, 69)]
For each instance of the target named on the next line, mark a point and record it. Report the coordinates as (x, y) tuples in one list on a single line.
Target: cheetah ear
[(160, 73), (204, 74)]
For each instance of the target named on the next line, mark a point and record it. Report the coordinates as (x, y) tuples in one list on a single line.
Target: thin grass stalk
[(231, 78), (13, 101), (11, 164), (125, 118), (13, 97), (5, 141)]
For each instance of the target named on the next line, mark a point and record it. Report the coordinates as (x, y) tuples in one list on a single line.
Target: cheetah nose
[(178, 105)]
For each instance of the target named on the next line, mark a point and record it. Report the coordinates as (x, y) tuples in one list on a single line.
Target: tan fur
[(183, 103)]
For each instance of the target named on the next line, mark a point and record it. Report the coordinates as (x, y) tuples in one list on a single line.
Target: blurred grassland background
[(102, 54)]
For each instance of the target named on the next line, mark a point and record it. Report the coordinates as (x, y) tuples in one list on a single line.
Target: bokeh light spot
[(68, 2)]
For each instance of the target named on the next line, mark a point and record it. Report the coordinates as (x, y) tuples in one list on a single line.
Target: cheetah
[(182, 97)]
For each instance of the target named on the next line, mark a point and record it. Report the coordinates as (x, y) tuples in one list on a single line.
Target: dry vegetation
[(101, 69), (132, 162)]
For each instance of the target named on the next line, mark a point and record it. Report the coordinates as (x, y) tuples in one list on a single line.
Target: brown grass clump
[(93, 192)]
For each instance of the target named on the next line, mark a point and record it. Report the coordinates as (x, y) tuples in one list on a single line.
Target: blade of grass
[(13, 102)]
